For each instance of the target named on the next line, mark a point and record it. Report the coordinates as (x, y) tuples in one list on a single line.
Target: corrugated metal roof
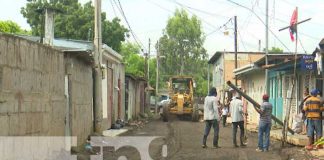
[(64, 44)]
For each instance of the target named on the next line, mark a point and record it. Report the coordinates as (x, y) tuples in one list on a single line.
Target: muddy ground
[(183, 140)]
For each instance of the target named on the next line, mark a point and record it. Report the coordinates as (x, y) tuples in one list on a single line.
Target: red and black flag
[(293, 24)]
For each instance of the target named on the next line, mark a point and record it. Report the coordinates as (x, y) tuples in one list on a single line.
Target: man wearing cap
[(313, 109), (264, 124)]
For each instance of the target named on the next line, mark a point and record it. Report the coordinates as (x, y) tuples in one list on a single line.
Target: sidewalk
[(114, 132), (296, 139)]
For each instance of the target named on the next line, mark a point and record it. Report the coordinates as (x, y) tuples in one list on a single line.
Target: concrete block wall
[(82, 94), (32, 98)]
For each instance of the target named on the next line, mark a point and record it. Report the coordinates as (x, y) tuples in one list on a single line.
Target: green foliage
[(182, 44), (152, 71), (319, 142), (11, 27), (133, 62), (275, 50), (73, 21)]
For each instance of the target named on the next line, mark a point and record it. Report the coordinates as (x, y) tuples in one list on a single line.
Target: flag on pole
[(293, 25)]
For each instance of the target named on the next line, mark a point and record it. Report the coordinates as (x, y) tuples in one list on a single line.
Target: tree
[(134, 62), (275, 50), (182, 45), (11, 27), (73, 21)]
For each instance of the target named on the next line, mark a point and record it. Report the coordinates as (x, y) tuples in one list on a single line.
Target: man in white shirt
[(236, 112), (211, 116), (224, 115)]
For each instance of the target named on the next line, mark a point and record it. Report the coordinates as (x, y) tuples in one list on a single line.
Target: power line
[(138, 42), (220, 27), (160, 6), (301, 44), (112, 5), (283, 21), (183, 6), (261, 21), (242, 41), (201, 11)]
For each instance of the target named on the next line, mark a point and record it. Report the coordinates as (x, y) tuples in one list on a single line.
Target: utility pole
[(235, 45), (97, 69), (284, 131), (182, 60), (266, 46), (148, 60), (208, 77), (157, 76), (145, 65)]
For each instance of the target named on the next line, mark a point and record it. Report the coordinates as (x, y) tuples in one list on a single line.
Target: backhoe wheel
[(165, 114), (195, 113)]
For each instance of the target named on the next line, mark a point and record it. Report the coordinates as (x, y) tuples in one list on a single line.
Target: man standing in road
[(236, 112), (313, 109), (224, 115), (264, 124), (211, 116)]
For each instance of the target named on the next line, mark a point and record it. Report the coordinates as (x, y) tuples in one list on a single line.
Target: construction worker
[(211, 117), (264, 124), (313, 109), (237, 112)]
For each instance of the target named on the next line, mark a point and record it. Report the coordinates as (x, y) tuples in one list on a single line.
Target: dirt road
[(183, 139)]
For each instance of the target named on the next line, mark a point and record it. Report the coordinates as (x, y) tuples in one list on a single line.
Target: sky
[(148, 18)]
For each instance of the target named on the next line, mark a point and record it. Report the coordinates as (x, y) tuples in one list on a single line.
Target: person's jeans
[(209, 124), (224, 117), (235, 125), (314, 126), (264, 130)]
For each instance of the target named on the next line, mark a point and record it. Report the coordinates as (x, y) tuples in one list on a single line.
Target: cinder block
[(1, 77), (3, 50), (46, 123), (15, 107), (23, 50), (13, 125), (35, 58), (4, 106), (37, 127), (30, 57), (16, 79), (4, 123), (29, 123), (22, 124), (10, 60), (7, 79)]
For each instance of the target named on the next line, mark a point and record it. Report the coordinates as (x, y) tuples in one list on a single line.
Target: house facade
[(281, 71), (113, 88), (222, 66), (135, 96)]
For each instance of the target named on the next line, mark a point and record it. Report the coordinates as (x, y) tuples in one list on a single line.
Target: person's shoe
[(216, 146), (243, 145), (235, 145), (309, 147), (259, 150), (204, 146)]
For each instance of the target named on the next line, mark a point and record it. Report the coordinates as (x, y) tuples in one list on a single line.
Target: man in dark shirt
[(264, 124)]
